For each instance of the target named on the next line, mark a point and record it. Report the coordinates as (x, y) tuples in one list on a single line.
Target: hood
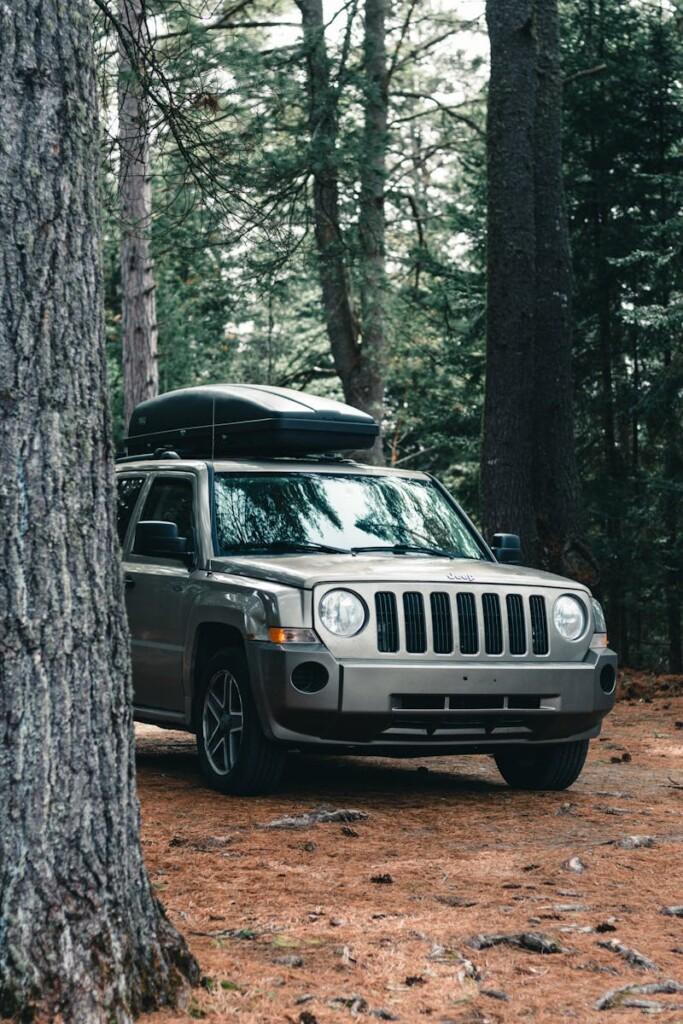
[(308, 570)]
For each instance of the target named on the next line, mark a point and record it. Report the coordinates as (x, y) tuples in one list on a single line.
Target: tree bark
[(507, 449), (139, 321), (82, 937), (355, 366), (371, 222), (556, 484)]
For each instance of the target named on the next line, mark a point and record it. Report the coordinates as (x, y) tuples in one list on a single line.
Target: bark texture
[(139, 321), (555, 481), (529, 474), (356, 364), (507, 450), (82, 936)]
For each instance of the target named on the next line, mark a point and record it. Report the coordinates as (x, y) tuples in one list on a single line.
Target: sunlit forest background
[(234, 256)]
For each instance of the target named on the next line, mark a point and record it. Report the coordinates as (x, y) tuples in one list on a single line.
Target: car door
[(157, 592)]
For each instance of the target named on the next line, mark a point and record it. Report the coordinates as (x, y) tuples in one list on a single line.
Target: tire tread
[(545, 768)]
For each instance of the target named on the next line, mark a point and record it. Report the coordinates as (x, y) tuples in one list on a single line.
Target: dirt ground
[(373, 919)]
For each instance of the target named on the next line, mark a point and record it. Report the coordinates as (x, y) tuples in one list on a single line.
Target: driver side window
[(170, 500)]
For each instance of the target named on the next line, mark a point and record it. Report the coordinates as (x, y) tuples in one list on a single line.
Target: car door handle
[(129, 582)]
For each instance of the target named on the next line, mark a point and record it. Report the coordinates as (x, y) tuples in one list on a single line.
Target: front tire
[(234, 755), (552, 768)]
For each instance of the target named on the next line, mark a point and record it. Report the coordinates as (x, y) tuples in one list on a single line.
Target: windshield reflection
[(269, 512)]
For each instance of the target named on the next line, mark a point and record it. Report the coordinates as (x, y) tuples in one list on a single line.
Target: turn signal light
[(599, 641), (292, 635)]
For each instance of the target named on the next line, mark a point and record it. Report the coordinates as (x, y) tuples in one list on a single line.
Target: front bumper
[(413, 708)]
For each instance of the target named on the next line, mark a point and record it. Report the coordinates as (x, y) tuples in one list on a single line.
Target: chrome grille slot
[(414, 613), (442, 622), (516, 624), (387, 621), (467, 623), (493, 626), (539, 624)]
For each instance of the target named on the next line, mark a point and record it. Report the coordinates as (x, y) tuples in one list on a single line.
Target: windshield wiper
[(405, 549), (283, 547)]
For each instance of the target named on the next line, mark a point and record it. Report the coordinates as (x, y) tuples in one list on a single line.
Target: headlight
[(569, 616), (342, 612), (599, 623)]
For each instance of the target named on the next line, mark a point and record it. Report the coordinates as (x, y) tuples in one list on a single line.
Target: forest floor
[(374, 919)]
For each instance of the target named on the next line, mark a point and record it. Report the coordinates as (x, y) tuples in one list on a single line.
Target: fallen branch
[(631, 956), (618, 996), (535, 942), (317, 817)]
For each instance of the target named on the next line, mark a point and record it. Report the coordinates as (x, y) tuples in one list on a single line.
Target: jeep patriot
[(284, 599)]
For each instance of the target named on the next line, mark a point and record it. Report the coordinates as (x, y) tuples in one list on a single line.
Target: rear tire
[(552, 767), (234, 755)]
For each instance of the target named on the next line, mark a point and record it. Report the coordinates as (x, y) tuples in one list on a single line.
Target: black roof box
[(247, 419)]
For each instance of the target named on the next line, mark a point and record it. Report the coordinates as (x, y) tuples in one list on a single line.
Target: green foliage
[(625, 193), (237, 288)]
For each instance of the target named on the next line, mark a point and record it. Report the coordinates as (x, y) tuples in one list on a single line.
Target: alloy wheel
[(222, 722)]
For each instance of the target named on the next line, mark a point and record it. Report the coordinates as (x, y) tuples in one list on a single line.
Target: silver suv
[(282, 604)]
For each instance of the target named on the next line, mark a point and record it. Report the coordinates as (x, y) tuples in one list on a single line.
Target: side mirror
[(160, 540), (507, 548)]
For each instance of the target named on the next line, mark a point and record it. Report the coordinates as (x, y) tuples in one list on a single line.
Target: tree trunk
[(556, 485), (507, 450), (371, 222), (139, 321), (82, 936), (613, 584), (356, 373), (673, 473)]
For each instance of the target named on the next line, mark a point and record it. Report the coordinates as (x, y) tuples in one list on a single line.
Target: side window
[(127, 490), (170, 501)]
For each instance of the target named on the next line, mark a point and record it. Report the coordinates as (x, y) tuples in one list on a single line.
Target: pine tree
[(82, 935)]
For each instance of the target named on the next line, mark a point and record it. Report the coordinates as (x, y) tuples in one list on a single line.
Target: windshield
[(281, 513)]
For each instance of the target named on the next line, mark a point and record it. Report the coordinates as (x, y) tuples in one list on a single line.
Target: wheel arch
[(209, 638)]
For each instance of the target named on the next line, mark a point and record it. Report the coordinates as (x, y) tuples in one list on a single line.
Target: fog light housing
[(608, 679), (310, 677)]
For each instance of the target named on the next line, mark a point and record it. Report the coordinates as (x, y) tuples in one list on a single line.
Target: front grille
[(434, 623), (387, 621), (467, 624), (416, 631), (539, 625)]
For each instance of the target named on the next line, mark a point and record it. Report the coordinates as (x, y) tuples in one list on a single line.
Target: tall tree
[(529, 476), (138, 303), (357, 343), (341, 322), (82, 936), (371, 224), (555, 477), (507, 449)]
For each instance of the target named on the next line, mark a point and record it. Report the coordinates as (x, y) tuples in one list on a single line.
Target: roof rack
[(333, 457), (159, 453)]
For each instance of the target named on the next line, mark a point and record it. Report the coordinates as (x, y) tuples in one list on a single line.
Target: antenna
[(212, 486), (213, 427)]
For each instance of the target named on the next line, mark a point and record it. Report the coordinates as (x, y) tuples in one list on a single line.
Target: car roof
[(332, 466)]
